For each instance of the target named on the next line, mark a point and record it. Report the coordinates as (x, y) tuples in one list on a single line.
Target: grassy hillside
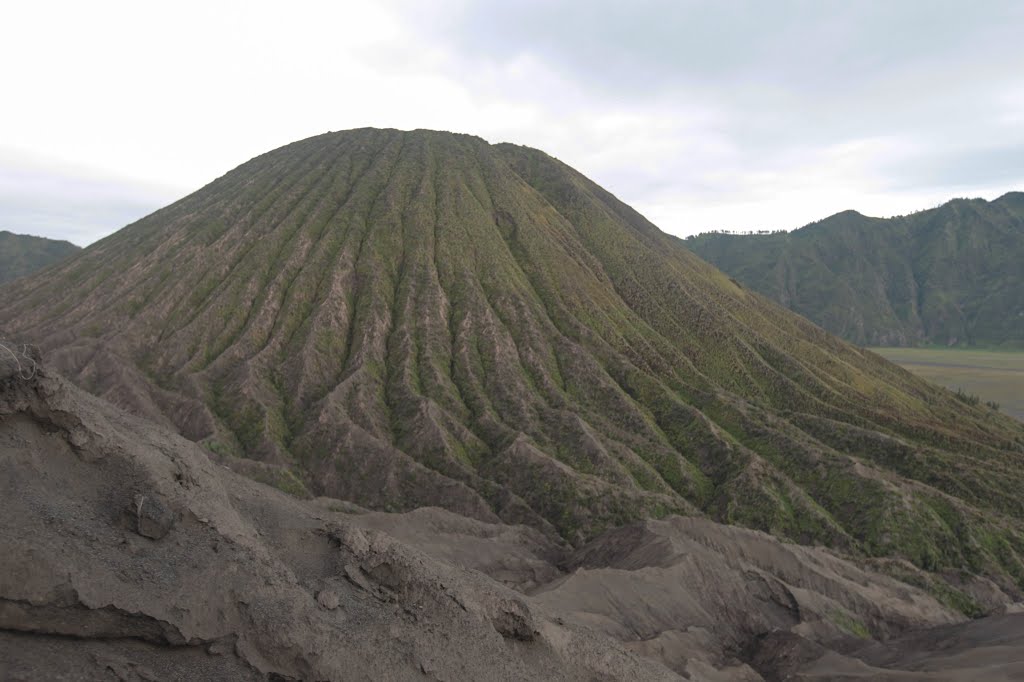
[(408, 319), (950, 276), (22, 254)]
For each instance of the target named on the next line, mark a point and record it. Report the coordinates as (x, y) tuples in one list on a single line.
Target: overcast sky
[(702, 115)]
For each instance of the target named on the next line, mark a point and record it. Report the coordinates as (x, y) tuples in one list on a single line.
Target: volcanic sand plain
[(996, 376)]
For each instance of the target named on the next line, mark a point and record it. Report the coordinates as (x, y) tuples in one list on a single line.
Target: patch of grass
[(282, 479), (849, 624), (218, 448), (936, 587)]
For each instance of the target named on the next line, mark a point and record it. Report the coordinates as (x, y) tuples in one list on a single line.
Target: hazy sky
[(702, 115)]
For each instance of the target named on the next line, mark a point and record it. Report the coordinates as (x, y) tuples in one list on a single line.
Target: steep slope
[(22, 254), (127, 554), (405, 319), (953, 275)]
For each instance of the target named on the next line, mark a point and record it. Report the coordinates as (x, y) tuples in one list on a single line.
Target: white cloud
[(701, 115)]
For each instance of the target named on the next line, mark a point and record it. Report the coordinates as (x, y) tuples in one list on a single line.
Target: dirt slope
[(126, 553)]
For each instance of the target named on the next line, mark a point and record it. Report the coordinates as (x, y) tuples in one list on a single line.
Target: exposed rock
[(152, 519), (328, 599)]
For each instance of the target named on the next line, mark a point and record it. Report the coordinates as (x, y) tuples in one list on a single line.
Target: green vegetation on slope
[(949, 276), (22, 254), (408, 319)]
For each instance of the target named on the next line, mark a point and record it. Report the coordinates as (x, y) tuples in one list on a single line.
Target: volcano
[(408, 319)]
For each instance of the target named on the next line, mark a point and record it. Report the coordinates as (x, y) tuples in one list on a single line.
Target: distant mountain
[(22, 254), (408, 319), (951, 276)]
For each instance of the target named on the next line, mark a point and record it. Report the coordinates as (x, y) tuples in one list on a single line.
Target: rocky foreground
[(126, 553)]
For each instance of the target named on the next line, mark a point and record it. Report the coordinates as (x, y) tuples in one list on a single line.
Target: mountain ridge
[(23, 254), (948, 276)]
